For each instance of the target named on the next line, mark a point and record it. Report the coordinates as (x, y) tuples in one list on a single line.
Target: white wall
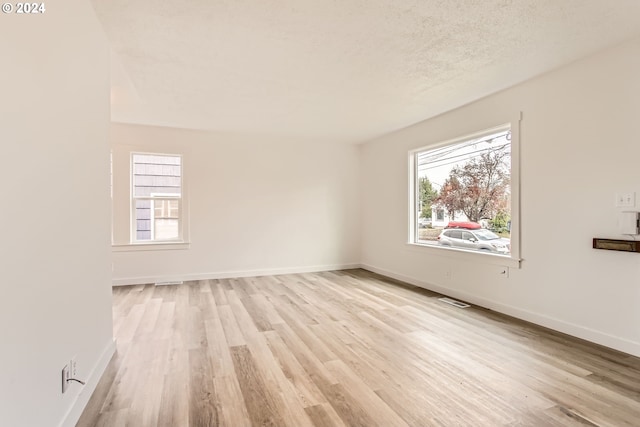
[(580, 144), (258, 205), (55, 254)]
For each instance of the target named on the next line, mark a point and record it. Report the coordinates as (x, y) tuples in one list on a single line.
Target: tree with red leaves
[(479, 188)]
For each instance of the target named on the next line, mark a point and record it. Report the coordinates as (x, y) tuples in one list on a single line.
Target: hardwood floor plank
[(303, 354), (196, 334), (347, 407), (164, 325), (294, 372), (290, 287), (259, 317), (195, 292), (149, 318), (207, 304), (302, 312), (246, 325), (324, 416), (240, 288), (92, 412), (218, 292), (233, 410), (258, 400), (203, 403), (230, 326), (618, 383), (113, 419), (320, 350), (356, 357), (218, 348), (417, 409), (166, 293), (565, 417), (145, 407), (267, 309), (174, 406), (376, 407), (123, 388), (285, 395), (129, 325)]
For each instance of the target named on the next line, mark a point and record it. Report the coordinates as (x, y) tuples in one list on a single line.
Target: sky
[(436, 164)]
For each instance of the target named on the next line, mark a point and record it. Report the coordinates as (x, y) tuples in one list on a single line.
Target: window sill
[(466, 255), (152, 246)]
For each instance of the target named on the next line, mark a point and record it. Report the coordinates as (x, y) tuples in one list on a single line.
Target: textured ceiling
[(337, 71)]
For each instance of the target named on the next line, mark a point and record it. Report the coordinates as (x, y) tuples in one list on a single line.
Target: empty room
[(383, 213)]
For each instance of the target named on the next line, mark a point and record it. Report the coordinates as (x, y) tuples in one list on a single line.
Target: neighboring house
[(157, 187), (440, 217)]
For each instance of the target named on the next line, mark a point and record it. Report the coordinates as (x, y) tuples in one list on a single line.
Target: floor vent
[(169, 283), (454, 302)]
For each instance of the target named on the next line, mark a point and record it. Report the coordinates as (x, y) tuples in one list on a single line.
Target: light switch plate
[(626, 199)]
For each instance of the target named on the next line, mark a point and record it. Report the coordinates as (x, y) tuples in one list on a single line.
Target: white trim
[(465, 254), (75, 411), (154, 196), (150, 246), (232, 274), (462, 138), (513, 124), (588, 334)]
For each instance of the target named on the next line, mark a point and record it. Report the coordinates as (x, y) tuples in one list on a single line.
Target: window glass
[(466, 184), (468, 236), (157, 192)]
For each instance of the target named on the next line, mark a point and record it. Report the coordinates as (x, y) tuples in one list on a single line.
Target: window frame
[(512, 260), (152, 198), (123, 203)]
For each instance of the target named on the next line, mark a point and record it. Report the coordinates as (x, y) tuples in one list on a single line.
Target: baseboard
[(591, 335), (232, 274), (74, 413)]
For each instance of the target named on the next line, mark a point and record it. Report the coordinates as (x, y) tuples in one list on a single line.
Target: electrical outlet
[(65, 378), (73, 367)]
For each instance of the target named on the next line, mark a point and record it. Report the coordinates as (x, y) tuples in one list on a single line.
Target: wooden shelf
[(617, 245)]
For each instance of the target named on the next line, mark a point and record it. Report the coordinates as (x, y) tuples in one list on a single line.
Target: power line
[(471, 155), (439, 152)]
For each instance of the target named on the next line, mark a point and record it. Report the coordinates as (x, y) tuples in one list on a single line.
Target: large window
[(462, 193), (156, 197)]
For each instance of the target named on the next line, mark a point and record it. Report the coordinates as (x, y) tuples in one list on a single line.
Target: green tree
[(427, 196), (500, 222)]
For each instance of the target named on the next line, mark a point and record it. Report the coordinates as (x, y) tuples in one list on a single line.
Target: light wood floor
[(346, 349)]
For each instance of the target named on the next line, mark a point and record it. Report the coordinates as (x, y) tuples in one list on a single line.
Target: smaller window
[(156, 197)]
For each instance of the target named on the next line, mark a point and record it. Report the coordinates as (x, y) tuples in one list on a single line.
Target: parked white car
[(478, 239), (424, 222)]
